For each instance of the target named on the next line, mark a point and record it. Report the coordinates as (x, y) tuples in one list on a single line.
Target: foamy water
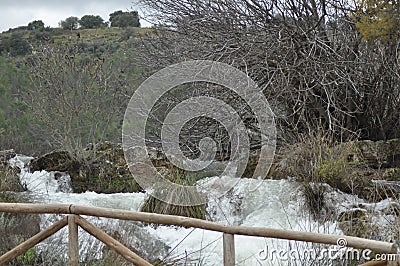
[(267, 203)]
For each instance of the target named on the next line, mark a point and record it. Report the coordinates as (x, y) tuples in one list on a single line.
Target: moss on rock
[(104, 171)]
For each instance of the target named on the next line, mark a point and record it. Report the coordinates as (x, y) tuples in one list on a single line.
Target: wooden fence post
[(229, 249), (73, 244)]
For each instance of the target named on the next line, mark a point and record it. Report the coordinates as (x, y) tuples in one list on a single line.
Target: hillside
[(16, 39), (27, 60)]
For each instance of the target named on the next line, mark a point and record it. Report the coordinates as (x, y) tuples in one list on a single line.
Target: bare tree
[(308, 57), (76, 99)]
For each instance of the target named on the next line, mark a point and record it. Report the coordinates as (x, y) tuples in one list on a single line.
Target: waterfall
[(267, 203)]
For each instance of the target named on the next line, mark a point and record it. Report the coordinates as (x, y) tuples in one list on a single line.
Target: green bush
[(18, 46), (15, 120), (331, 170), (314, 195)]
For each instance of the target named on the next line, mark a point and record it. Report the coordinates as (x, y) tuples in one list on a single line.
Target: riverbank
[(286, 203)]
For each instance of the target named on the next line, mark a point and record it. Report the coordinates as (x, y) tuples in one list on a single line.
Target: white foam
[(268, 203)]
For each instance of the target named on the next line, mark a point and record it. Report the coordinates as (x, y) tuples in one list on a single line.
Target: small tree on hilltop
[(36, 25), (70, 23), (124, 19), (91, 22), (115, 14)]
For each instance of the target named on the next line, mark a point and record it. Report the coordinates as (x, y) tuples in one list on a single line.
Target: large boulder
[(60, 161), (104, 171), (155, 205)]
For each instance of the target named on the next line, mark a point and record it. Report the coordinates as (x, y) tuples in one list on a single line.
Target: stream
[(268, 203)]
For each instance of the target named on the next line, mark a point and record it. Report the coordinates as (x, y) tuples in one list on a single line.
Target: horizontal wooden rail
[(355, 242)]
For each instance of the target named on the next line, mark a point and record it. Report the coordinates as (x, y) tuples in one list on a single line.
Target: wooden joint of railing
[(111, 242)]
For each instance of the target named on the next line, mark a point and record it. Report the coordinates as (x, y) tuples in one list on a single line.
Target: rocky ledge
[(368, 169), (103, 169)]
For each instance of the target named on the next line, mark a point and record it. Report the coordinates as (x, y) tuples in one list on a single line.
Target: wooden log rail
[(74, 219)]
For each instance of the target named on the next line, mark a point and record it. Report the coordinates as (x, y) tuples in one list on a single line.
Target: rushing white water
[(268, 203)]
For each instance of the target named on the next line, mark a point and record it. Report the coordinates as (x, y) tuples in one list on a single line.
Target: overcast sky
[(14, 13)]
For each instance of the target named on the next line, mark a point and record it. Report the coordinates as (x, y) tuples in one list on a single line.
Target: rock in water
[(60, 161)]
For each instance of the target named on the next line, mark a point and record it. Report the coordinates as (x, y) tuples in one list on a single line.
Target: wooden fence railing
[(74, 219)]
